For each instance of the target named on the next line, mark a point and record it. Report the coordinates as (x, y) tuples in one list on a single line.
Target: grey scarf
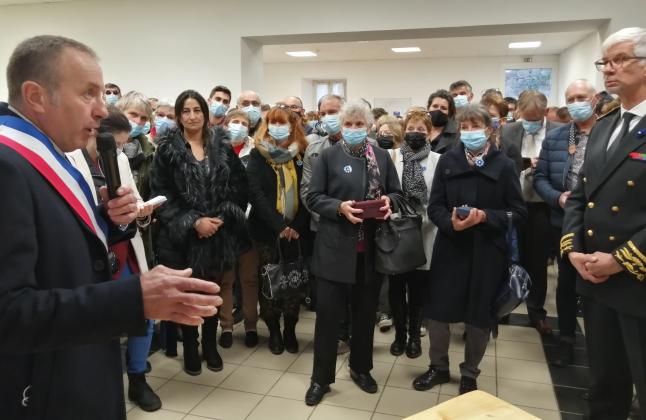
[(413, 182)]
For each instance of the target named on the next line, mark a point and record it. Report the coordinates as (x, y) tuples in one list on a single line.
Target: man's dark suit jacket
[(511, 140)]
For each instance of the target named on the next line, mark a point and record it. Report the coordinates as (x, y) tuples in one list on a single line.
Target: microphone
[(107, 148)]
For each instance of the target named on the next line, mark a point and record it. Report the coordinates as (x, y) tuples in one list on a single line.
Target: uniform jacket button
[(631, 183), (98, 265), (590, 205), (611, 238), (615, 209), (590, 232)]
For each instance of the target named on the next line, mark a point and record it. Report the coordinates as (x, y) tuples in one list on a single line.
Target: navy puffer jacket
[(551, 172)]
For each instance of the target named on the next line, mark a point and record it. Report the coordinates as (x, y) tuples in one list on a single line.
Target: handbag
[(515, 287), (285, 278), (399, 246)]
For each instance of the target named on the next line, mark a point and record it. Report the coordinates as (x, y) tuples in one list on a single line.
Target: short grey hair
[(165, 103), (356, 109), (585, 82), (37, 59), (134, 99), (635, 35), (330, 97)]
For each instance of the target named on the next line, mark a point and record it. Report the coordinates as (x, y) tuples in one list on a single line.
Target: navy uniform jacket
[(607, 213), (60, 315)]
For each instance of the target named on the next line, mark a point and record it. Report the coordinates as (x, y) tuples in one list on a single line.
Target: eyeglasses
[(615, 62), (292, 107), (111, 92)]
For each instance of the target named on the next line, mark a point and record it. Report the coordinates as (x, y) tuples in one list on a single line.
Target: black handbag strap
[(402, 205), (281, 257)]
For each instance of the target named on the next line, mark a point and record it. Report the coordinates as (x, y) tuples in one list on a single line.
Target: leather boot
[(192, 361), (276, 345), (209, 344), (414, 346), (289, 334), (140, 393), (398, 346)]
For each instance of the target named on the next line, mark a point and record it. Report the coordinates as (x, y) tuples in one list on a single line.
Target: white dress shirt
[(531, 148)]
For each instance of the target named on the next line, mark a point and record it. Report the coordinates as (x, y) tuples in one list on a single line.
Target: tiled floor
[(255, 384)]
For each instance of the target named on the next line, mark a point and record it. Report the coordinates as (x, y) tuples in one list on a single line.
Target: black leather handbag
[(399, 247), (285, 278), (515, 287)]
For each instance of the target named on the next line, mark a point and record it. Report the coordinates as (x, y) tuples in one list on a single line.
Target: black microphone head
[(105, 142)]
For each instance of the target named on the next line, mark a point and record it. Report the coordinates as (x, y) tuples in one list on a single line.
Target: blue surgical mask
[(237, 132), (354, 136), (136, 130), (218, 109), (510, 116), (146, 128), (532, 127), (163, 124), (461, 101), (111, 99), (312, 123), (279, 132), (254, 114), (580, 111), (495, 123), (473, 140), (331, 124)]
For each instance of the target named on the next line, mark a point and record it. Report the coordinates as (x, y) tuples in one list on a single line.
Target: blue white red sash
[(29, 142)]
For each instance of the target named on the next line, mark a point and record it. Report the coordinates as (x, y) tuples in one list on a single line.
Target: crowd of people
[(246, 181)]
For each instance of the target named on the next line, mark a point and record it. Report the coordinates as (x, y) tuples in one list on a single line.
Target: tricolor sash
[(34, 146)]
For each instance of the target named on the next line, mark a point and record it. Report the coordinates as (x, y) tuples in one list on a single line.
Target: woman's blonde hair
[(297, 134), (395, 127)]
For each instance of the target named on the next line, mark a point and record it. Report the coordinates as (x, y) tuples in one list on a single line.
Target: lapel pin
[(641, 133), (347, 169)]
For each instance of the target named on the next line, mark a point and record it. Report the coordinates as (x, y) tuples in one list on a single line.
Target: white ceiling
[(496, 45), (8, 2)]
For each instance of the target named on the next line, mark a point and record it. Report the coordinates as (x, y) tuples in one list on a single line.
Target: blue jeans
[(138, 347)]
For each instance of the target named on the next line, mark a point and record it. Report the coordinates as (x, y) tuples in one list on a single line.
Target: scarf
[(471, 156), (413, 181), (282, 162)]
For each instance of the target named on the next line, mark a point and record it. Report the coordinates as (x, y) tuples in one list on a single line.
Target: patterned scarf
[(413, 181), (472, 156), (282, 162)]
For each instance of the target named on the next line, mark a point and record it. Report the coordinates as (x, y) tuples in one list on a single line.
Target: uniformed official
[(604, 233)]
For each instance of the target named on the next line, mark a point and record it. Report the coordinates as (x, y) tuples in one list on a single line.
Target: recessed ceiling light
[(406, 49), (301, 53), (530, 44)]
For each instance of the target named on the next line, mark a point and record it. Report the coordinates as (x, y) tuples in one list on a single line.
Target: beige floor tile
[(292, 386), (404, 402), (518, 333), (227, 405), (380, 371), (155, 383), (521, 309), (485, 383), (381, 416), (305, 314), (529, 394), (328, 412), (542, 413), (387, 337), (445, 398), (381, 353), (280, 409), (305, 362), (251, 379), (523, 370), (192, 417), (182, 396), (237, 354), (207, 377), (165, 367), (138, 414), (402, 376), (263, 358), (521, 351), (421, 362), (487, 365), (129, 405), (305, 326), (347, 394)]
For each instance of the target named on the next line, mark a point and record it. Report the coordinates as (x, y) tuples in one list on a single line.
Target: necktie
[(626, 118)]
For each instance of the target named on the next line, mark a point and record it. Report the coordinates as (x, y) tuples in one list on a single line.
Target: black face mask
[(439, 118), (415, 140), (386, 142)]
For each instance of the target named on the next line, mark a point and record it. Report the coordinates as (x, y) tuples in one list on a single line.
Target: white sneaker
[(384, 322), (422, 331)]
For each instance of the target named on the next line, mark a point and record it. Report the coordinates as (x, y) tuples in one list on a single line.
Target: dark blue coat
[(551, 172)]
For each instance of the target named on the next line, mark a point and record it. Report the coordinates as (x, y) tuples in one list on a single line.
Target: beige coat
[(429, 230), (78, 160)]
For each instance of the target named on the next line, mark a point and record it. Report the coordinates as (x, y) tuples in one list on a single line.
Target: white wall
[(576, 63), (164, 46), (412, 78)]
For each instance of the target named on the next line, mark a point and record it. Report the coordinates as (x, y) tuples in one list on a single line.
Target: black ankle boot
[(192, 361), (414, 346), (289, 334), (209, 344), (398, 347), (276, 345), (140, 393)]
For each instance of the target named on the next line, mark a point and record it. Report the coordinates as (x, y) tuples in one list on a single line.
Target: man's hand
[(563, 198), (604, 265), (475, 217), (386, 208), (348, 212), (123, 209), (145, 210), (581, 262), (172, 295)]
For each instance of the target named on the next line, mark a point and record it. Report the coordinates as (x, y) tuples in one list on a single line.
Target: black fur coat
[(179, 176)]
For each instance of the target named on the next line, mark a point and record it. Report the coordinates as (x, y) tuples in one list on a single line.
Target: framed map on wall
[(518, 80)]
